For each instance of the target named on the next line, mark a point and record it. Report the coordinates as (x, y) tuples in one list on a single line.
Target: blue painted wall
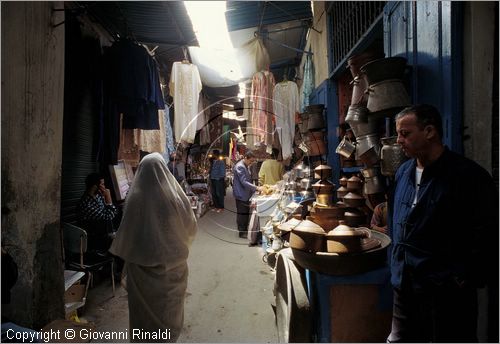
[(428, 34)]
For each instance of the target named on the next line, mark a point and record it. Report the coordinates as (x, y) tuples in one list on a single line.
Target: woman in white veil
[(154, 237)]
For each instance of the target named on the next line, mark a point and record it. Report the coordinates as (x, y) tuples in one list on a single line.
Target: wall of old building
[(32, 118), (478, 67)]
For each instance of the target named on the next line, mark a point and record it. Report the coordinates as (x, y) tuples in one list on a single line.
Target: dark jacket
[(448, 236)]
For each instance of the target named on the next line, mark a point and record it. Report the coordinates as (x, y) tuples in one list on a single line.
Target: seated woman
[(95, 213)]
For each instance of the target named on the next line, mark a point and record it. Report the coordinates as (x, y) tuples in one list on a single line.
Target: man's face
[(412, 138), (250, 161)]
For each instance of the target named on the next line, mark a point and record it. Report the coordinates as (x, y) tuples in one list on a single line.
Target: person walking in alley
[(243, 189), (444, 229), (218, 181), (271, 170), (154, 238)]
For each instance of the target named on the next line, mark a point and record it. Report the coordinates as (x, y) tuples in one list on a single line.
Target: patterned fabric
[(94, 208), (262, 111)]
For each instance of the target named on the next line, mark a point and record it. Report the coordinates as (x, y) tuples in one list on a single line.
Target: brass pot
[(325, 199), (355, 218), (289, 225), (323, 187), (330, 211), (342, 191), (344, 239), (323, 172), (327, 223), (373, 185), (370, 172), (308, 236), (354, 200), (354, 183), (343, 181)]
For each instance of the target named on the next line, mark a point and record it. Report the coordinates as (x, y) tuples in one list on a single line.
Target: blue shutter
[(429, 35)]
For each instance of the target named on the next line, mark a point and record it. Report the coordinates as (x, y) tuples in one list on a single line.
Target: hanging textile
[(185, 86), (308, 84), (170, 148), (131, 87), (262, 107), (286, 105), (128, 149), (247, 113), (152, 140)]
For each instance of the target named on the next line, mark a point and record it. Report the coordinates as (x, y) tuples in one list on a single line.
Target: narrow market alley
[(229, 294)]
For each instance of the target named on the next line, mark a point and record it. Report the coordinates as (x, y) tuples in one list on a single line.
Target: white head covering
[(158, 223)]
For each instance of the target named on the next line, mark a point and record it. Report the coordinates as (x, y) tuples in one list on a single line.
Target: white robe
[(286, 104), (154, 237), (185, 86)]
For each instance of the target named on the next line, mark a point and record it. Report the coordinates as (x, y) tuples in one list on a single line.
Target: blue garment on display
[(308, 87), (169, 147)]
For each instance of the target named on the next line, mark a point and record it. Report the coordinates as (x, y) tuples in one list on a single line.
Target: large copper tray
[(347, 263)]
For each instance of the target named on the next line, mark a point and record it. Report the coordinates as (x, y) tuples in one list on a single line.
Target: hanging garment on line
[(185, 87), (134, 85), (286, 105), (262, 107), (308, 84)]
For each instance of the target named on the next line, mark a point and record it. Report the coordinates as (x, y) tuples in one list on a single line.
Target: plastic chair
[(75, 243)]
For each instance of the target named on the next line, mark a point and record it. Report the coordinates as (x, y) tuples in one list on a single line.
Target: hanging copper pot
[(355, 62), (383, 69), (391, 156), (345, 147), (316, 121), (373, 185), (316, 147), (386, 95), (359, 95), (359, 121), (303, 125)]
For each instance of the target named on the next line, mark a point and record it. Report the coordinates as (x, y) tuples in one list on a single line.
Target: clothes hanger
[(185, 59)]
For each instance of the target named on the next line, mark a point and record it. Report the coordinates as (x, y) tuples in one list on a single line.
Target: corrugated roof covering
[(246, 14), (165, 24), (150, 22)]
